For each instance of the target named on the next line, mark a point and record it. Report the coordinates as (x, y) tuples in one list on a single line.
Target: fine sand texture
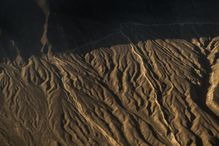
[(106, 73), (136, 86)]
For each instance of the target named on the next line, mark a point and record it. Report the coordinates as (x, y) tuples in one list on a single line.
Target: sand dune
[(76, 73), (151, 92)]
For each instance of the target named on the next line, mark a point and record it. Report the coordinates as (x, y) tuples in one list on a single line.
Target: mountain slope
[(151, 90)]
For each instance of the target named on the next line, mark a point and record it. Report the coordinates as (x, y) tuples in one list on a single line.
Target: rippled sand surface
[(151, 91)]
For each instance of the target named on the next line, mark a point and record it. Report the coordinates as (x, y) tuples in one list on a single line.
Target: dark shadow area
[(126, 33), (82, 25), (21, 21), (75, 23)]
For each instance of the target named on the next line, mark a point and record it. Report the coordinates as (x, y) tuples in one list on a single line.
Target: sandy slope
[(151, 91)]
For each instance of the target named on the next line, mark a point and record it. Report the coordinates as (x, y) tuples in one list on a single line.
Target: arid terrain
[(125, 84)]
